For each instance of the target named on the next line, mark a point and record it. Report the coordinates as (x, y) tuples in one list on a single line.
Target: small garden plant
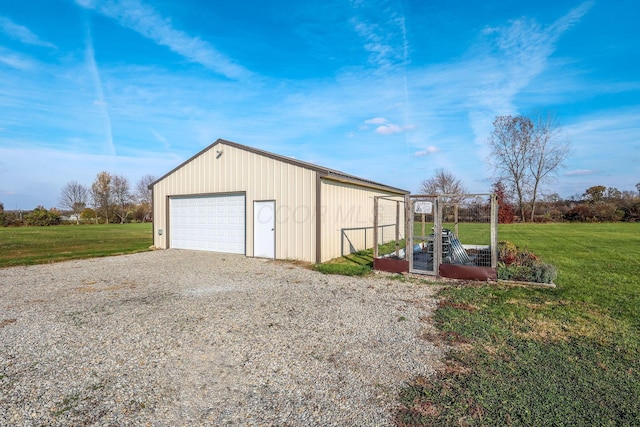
[(523, 265)]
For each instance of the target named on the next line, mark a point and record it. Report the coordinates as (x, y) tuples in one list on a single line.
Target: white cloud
[(580, 172), (376, 121), (385, 126), (21, 33), (15, 60), (501, 66), (158, 136), (388, 129), (380, 51), (146, 21), (100, 101), (385, 38), (429, 150), (572, 18)]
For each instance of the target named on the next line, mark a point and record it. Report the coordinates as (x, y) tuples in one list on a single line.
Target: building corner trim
[(318, 218)]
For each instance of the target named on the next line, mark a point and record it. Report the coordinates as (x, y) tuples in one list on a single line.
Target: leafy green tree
[(88, 214), (40, 216), (595, 194), (101, 196)]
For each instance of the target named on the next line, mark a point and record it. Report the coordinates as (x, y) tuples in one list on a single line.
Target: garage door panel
[(209, 223)]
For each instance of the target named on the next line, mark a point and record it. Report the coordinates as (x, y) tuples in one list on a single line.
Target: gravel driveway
[(193, 338)]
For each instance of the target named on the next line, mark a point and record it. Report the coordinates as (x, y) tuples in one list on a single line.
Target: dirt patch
[(5, 322)]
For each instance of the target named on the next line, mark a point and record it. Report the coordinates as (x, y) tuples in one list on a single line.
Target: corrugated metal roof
[(327, 172)]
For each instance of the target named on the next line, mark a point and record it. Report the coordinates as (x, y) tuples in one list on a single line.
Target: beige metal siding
[(260, 178), (347, 217)]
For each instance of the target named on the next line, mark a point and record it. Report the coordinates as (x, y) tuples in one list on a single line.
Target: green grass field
[(524, 356), (38, 245)]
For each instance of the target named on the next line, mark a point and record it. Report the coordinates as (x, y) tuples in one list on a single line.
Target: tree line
[(525, 154), (597, 204), (109, 199)]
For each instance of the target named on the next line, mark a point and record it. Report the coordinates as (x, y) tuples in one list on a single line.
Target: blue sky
[(387, 90)]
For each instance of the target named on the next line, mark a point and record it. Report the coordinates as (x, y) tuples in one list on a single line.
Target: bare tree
[(443, 182), (101, 195), (638, 188), (547, 152), (121, 197), (524, 154), (143, 195), (74, 197), (510, 144), (613, 193)]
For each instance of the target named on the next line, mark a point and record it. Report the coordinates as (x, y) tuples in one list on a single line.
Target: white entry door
[(264, 229)]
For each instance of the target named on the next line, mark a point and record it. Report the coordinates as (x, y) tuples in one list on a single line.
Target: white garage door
[(208, 223)]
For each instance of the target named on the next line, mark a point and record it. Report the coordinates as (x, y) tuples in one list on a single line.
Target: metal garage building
[(237, 199)]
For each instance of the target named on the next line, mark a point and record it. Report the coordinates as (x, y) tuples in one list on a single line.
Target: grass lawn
[(524, 356), (39, 245)]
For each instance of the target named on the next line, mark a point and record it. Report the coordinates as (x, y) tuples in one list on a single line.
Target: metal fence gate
[(467, 228), (423, 251)]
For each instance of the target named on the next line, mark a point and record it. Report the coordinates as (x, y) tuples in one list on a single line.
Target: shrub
[(631, 212), (522, 265), (10, 219), (514, 272), (544, 273), (507, 252), (608, 212), (42, 217), (580, 213)]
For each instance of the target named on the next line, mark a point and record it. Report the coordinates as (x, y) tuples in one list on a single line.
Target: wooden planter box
[(466, 272), (391, 265)]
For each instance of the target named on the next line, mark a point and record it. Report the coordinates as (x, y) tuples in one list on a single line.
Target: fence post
[(375, 227), (455, 219), (437, 237), (408, 230), (494, 231), (397, 229), (422, 217)]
